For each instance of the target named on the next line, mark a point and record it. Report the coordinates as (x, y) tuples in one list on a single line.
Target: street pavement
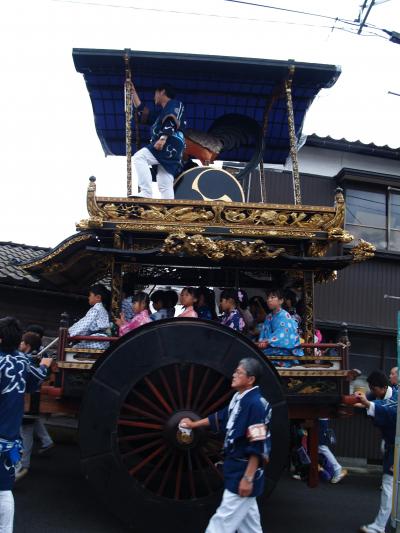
[(55, 498)]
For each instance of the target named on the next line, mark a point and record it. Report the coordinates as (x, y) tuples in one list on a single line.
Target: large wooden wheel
[(132, 452)]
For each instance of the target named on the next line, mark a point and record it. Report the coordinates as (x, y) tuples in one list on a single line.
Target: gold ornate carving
[(340, 211), (340, 235), (362, 251), (85, 224), (238, 218), (325, 277), (318, 249), (219, 249), (131, 226), (292, 136), (59, 250), (308, 295), (279, 232)]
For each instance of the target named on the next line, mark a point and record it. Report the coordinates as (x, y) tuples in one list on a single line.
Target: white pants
[(6, 511), (27, 433), (325, 450), (386, 504), (142, 161), (235, 514)]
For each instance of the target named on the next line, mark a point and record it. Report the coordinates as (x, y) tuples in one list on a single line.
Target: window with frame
[(373, 214)]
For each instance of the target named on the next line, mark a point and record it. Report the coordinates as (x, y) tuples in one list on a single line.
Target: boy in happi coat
[(384, 413), (246, 449), (166, 144), (17, 376), (279, 333), (96, 322)]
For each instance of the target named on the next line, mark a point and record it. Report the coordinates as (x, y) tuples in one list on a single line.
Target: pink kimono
[(189, 312), (138, 320)]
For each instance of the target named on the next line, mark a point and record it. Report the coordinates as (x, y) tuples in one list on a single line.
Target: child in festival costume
[(384, 413), (246, 449), (159, 301), (259, 310), (96, 322), (205, 307), (140, 306), (17, 376), (279, 334), (326, 438), (188, 299), (32, 423), (231, 316), (171, 301)]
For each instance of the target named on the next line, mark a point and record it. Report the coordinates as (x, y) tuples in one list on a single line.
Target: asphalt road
[(54, 498)]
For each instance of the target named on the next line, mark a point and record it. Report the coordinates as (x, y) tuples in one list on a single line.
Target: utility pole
[(396, 466), (364, 20)]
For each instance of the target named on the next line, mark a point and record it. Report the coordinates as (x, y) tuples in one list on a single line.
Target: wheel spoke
[(179, 385), (149, 402), (190, 387), (211, 393), (167, 388), (178, 481), (213, 407), (141, 436), (146, 460), (137, 424), (200, 390), (158, 394), (142, 448), (138, 411), (210, 463), (202, 473), (156, 469), (165, 477), (190, 475)]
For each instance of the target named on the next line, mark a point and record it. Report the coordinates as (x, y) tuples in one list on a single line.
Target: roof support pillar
[(292, 137)]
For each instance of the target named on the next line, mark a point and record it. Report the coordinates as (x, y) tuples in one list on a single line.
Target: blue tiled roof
[(209, 86)]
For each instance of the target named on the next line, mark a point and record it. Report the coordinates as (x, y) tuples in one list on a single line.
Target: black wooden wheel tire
[(131, 451)]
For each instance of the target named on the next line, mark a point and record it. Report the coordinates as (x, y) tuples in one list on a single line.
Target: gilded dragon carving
[(362, 251), (216, 250)]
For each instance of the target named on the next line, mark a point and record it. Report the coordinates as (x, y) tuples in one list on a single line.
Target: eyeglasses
[(240, 373)]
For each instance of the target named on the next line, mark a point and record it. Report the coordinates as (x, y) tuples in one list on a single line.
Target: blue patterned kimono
[(233, 320), (245, 425), (17, 376), (169, 122), (384, 413), (281, 331), (95, 323)]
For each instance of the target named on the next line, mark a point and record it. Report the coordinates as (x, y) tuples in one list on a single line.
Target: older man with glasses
[(246, 449)]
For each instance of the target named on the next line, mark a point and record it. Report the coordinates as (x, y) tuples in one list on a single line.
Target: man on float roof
[(166, 145)]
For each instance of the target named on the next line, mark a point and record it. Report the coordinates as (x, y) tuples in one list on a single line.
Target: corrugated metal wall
[(357, 296), (315, 190), (357, 437)]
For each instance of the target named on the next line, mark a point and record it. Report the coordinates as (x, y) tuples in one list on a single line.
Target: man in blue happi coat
[(17, 376), (166, 145), (246, 449), (384, 413)]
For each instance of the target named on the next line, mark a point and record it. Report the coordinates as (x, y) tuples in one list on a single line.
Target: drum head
[(207, 183)]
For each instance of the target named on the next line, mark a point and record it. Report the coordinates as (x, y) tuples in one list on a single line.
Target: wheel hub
[(178, 438)]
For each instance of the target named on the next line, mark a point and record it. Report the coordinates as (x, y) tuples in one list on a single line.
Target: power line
[(214, 15), (287, 10)]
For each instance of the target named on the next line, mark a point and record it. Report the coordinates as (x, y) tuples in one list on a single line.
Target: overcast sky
[(48, 143)]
